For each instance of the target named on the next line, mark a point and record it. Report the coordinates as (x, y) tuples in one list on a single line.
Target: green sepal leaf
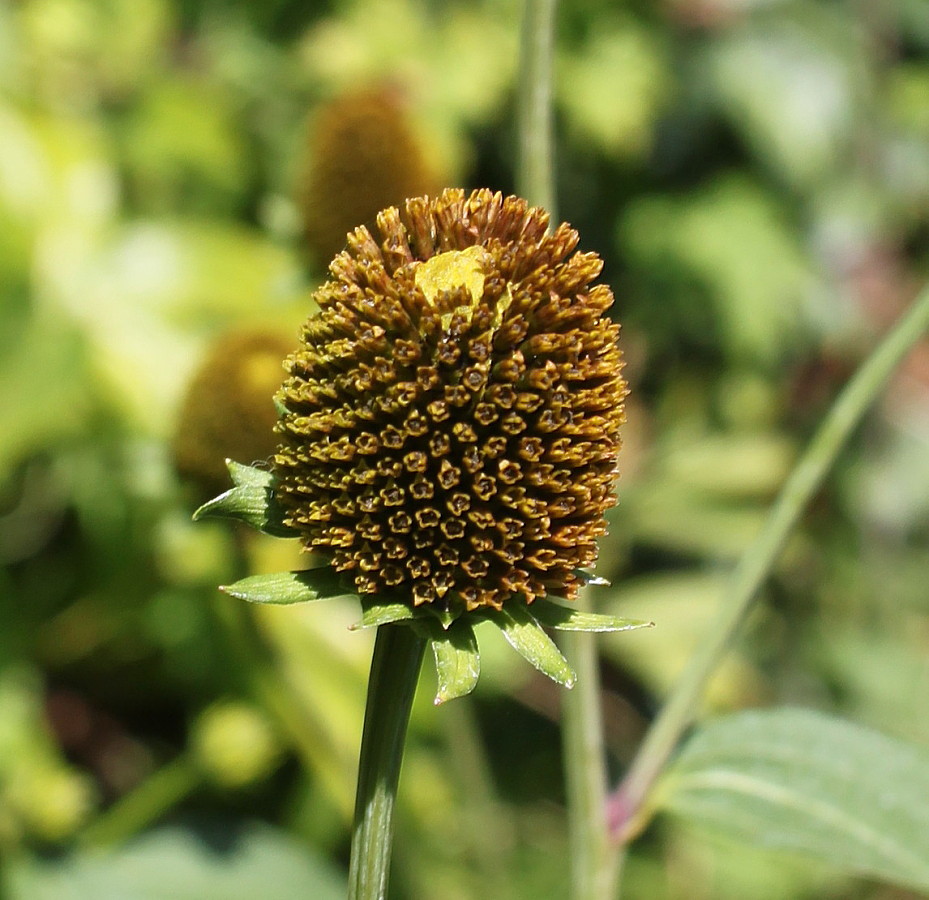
[(590, 577), (565, 618), (527, 637), (377, 611), (445, 617), (807, 783), (283, 588), (251, 500), (457, 659)]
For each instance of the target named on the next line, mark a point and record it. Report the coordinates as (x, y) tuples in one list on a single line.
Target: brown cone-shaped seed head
[(453, 411)]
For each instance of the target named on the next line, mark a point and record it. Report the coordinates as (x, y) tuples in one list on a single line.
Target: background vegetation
[(755, 174)]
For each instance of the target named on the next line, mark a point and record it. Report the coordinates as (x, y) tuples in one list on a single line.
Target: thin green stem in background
[(395, 666), (487, 821), (156, 796), (535, 157), (593, 872), (593, 862), (629, 805)]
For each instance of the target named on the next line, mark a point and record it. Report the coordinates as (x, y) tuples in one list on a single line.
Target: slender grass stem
[(395, 665), (629, 804), (144, 805), (535, 158)]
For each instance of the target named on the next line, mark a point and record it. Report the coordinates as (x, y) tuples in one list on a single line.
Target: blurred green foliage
[(754, 173)]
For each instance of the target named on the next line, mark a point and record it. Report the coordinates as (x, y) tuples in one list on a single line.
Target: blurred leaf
[(733, 240), (230, 862), (737, 465), (185, 149), (45, 394), (283, 588), (147, 295), (800, 781), (737, 871), (667, 515), (58, 190), (526, 636), (878, 666), (792, 84), (21, 727), (683, 607), (908, 98), (613, 88), (327, 668), (79, 46)]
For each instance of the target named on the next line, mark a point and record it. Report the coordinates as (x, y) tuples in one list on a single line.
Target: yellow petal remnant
[(453, 269)]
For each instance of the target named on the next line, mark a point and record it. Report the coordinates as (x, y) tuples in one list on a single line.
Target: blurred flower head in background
[(227, 411), (363, 154)]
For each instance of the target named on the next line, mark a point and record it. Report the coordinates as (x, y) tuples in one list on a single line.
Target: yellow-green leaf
[(813, 785), (565, 618), (283, 588), (528, 638), (457, 660), (251, 500), (378, 612)]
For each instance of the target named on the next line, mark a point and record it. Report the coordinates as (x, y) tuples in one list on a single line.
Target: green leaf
[(565, 618), (376, 611), (251, 501), (527, 637), (220, 858), (803, 782), (283, 588), (457, 659), (441, 614)]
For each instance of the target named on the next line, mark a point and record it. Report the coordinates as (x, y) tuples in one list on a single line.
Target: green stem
[(593, 872), (535, 166), (628, 805), (395, 665), (147, 803)]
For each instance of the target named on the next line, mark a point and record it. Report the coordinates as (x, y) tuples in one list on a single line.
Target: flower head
[(363, 155), (450, 423), (227, 410)]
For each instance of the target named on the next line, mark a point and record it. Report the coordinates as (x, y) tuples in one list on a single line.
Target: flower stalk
[(535, 162), (395, 666), (593, 861)]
